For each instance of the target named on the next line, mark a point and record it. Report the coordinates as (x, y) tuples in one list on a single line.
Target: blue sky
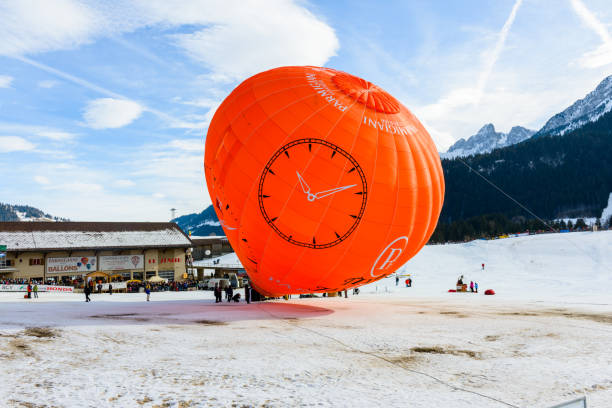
[(104, 106)]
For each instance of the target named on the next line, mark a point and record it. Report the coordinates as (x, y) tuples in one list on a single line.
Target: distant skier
[(483, 267), (476, 286), (396, 280), (472, 286)]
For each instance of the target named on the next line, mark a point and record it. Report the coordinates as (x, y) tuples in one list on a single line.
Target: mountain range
[(10, 212), (583, 111)]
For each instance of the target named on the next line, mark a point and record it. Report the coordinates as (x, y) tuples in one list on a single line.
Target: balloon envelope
[(321, 180)]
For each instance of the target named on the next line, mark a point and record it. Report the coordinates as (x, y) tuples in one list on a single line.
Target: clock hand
[(325, 193), (305, 186)]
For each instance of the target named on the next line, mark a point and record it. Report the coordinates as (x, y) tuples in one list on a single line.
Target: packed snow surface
[(544, 338)]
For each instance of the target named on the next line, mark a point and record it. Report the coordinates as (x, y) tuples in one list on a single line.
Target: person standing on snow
[(396, 280), (476, 286), (217, 293), (87, 291), (29, 291), (110, 288), (230, 293), (472, 286), (35, 291), (148, 292), (247, 293)]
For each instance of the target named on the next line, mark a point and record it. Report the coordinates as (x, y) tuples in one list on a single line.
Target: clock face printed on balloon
[(312, 193)]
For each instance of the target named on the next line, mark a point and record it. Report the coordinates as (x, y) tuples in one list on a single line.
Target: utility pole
[(173, 213)]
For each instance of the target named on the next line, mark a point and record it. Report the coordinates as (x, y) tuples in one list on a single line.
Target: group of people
[(473, 285), (229, 294)]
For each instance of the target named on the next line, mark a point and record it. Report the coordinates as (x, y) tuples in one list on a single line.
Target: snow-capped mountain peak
[(583, 111), (487, 139)]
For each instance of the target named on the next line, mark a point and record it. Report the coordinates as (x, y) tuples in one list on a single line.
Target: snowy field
[(544, 338)]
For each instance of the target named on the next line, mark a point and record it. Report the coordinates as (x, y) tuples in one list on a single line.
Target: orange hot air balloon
[(321, 180)]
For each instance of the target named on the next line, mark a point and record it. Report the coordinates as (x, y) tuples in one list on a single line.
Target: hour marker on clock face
[(317, 198)]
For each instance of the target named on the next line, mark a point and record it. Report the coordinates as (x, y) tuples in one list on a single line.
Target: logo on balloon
[(135, 260), (386, 259)]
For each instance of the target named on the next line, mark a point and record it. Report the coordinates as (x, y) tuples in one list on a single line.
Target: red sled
[(25, 296), (452, 290), (489, 292)]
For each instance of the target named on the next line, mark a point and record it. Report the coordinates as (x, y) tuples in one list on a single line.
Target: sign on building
[(73, 264), (121, 262)]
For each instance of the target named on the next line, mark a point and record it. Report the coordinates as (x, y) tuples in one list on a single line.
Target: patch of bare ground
[(492, 337), (210, 322), (26, 404), (449, 313), (145, 400), (408, 360), (518, 314), (113, 316), (595, 317), (447, 350), (40, 332)]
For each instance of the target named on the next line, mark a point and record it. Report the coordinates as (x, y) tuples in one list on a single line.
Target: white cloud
[(42, 180), (107, 113), (225, 36), (124, 183), (14, 144), (159, 195), (602, 55), (5, 81), (231, 43), (39, 25), (56, 135), (47, 83), (189, 145)]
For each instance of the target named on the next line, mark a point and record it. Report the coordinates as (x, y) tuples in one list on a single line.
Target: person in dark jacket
[(217, 293), (230, 293), (87, 291), (247, 293), (110, 288)]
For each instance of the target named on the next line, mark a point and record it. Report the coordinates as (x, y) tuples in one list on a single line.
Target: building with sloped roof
[(65, 251)]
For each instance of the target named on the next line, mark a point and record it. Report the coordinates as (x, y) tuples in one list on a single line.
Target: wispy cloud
[(47, 83), (5, 81), (105, 113), (602, 55), (494, 55), (57, 135), (14, 144)]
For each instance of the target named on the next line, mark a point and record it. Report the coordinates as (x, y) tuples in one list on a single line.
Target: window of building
[(150, 274), (36, 261), (127, 275), (167, 275), (137, 275)]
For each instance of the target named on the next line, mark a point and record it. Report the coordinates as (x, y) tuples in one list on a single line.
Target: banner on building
[(41, 288), (74, 264), (120, 262)]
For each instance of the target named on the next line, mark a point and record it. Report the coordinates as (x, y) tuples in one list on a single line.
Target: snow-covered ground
[(544, 338)]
